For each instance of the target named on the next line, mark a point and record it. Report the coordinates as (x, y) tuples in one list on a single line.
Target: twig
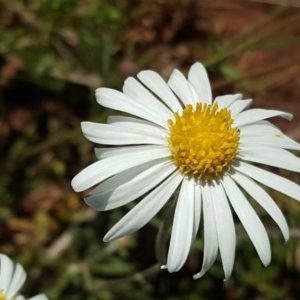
[(288, 3)]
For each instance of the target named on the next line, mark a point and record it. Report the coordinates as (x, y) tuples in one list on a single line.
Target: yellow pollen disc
[(202, 140), (2, 296)]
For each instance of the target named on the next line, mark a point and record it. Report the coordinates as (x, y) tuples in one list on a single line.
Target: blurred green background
[(53, 54)]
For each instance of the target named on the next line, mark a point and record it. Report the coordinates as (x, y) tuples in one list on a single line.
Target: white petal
[(257, 114), (210, 232), (239, 105), (113, 135), (225, 228), (259, 128), (6, 272), (105, 152), (158, 86), (275, 157), (116, 100), (181, 87), (128, 185), (226, 100), (193, 92), (248, 217), (269, 141), (146, 209), (200, 81), (101, 170), (17, 281), (272, 180), (134, 89), (182, 229), (263, 198), (197, 210), (143, 126), (259, 133)]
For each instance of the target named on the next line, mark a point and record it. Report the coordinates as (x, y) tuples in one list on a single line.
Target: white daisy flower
[(11, 280), (179, 137)]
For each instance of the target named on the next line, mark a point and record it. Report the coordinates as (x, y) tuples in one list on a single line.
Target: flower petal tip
[(286, 235), (266, 261), (198, 275), (106, 238), (76, 184), (227, 276)]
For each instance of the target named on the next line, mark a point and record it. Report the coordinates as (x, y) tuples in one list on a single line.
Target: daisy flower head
[(178, 137), (12, 277)]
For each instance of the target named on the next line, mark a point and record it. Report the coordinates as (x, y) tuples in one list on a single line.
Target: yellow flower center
[(2, 296), (202, 140)]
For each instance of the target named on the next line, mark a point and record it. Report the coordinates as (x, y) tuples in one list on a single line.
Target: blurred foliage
[(53, 54)]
